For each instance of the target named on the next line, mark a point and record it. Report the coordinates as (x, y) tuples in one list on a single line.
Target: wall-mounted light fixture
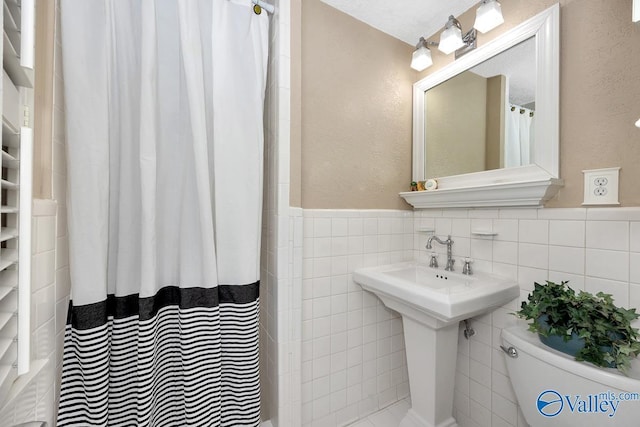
[(421, 58), (488, 17), (638, 123), (451, 38)]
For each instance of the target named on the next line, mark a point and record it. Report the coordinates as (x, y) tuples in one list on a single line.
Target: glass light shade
[(421, 58), (450, 40), (488, 16), (638, 123)]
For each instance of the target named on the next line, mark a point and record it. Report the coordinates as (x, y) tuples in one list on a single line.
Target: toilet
[(555, 390)]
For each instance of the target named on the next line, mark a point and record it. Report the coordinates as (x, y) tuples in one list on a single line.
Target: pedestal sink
[(431, 303)]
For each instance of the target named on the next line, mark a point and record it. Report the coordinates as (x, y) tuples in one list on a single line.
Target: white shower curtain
[(519, 136), (164, 115)]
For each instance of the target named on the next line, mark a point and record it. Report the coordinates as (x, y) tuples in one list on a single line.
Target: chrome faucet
[(447, 242)]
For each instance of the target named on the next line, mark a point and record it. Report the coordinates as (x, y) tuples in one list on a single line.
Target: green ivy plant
[(609, 339)]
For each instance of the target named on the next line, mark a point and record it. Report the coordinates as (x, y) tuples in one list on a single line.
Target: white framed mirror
[(496, 179)]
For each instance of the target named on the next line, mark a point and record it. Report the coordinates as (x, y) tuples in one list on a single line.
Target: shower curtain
[(164, 115), (519, 136)]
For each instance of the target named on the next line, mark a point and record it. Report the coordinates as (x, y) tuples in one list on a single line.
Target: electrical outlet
[(601, 181), (600, 191), (601, 186)]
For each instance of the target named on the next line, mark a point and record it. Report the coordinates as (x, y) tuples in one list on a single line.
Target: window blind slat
[(9, 330), (9, 278), (8, 161), (7, 233), (8, 209), (8, 185), (5, 344), (8, 257), (4, 291), (10, 137), (8, 375), (4, 319)]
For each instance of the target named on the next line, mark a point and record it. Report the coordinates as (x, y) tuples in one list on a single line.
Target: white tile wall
[(281, 271), (594, 249), (353, 360), (346, 333)]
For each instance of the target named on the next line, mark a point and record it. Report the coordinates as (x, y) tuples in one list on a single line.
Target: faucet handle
[(466, 268), (433, 261)]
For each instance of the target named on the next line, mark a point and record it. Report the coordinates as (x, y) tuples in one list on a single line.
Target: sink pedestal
[(431, 362), (432, 303)]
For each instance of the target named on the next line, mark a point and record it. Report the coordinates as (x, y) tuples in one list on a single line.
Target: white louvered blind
[(15, 196)]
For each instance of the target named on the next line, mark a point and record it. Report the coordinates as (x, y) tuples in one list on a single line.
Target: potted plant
[(589, 327)]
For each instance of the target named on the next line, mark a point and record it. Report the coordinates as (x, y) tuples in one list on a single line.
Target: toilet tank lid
[(528, 342)]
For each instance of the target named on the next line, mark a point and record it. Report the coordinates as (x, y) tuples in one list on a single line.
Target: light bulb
[(421, 58), (488, 16), (451, 37)]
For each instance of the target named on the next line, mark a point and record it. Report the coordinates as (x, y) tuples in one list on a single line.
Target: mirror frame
[(529, 185)]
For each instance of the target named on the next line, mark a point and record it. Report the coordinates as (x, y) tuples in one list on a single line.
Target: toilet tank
[(555, 390)]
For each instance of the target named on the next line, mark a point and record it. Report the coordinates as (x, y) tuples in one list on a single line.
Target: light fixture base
[(470, 40)]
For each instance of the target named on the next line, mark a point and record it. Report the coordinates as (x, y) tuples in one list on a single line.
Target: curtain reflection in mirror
[(520, 135)]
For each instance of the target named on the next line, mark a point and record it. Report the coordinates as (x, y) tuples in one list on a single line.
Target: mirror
[(483, 118), (498, 179)]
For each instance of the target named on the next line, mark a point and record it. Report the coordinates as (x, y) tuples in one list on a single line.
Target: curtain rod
[(266, 6)]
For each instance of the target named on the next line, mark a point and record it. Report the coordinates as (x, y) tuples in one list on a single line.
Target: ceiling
[(406, 20)]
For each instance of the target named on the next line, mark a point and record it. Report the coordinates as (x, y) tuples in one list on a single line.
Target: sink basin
[(435, 296), (432, 302)]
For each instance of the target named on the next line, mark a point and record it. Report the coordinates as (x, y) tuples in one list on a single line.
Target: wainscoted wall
[(594, 249), (353, 359)]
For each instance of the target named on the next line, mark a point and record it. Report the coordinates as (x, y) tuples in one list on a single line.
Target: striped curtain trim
[(91, 316), (193, 363)]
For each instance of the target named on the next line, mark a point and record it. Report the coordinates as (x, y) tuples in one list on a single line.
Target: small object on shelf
[(414, 186), (430, 184), (421, 186)]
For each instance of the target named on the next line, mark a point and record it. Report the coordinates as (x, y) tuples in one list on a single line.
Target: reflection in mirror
[(482, 119)]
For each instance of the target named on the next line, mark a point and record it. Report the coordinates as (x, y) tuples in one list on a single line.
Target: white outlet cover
[(601, 186)]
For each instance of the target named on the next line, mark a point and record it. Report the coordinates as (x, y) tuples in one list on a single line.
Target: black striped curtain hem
[(184, 357)]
